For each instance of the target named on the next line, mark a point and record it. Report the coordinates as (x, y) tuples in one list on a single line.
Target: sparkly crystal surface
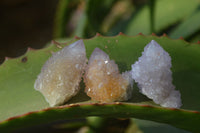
[(154, 77), (61, 74), (103, 81)]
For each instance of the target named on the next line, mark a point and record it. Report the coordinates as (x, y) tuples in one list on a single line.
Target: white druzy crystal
[(154, 77), (103, 81), (60, 76)]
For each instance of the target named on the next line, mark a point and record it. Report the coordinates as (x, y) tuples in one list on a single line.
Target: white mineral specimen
[(154, 77), (61, 74), (103, 81)]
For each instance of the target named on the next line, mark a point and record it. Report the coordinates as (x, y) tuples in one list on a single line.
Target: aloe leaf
[(190, 26), (167, 12), (174, 117), (18, 96)]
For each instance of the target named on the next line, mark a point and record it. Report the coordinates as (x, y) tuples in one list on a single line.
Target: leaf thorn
[(140, 34)]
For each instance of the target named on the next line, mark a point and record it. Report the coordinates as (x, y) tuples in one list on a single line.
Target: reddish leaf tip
[(181, 38), (164, 35), (153, 34), (98, 34), (198, 42), (77, 37), (121, 33), (7, 58), (30, 49), (140, 34)]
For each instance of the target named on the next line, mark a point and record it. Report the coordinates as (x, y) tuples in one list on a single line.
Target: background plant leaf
[(63, 15), (167, 13), (188, 27), (153, 127)]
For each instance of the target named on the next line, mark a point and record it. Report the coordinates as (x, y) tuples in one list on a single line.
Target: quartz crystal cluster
[(154, 77), (61, 74), (103, 81)]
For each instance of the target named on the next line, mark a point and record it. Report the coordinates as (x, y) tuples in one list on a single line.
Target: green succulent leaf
[(18, 97)]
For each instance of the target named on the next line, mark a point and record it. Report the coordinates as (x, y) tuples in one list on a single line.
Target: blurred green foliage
[(84, 18)]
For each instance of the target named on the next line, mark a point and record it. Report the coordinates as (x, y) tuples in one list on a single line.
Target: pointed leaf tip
[(98, 34), (181, 38), (140, 34), (164, 35), (7, 58), (121, 33), (30, 49), (77, 37)]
